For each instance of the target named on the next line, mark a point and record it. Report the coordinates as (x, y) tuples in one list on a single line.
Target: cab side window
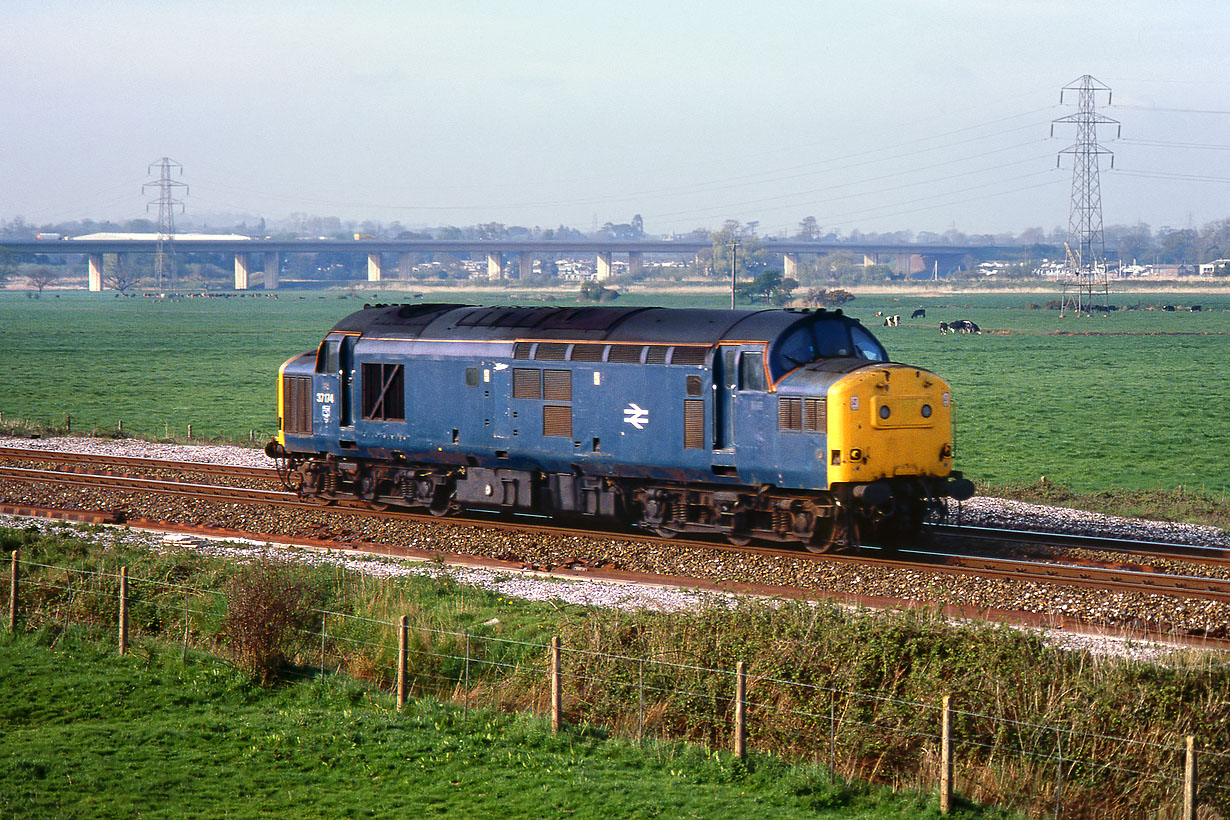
[(751, 371), (326, 358)]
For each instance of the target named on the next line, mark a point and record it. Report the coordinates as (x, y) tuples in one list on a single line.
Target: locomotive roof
[(607, 324)]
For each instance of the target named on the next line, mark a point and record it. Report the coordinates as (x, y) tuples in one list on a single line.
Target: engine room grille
[(557, 420), (557, 385), (384, 392), (527, 384), (816, 415), (693, 424), (521, 350), (297, 405)]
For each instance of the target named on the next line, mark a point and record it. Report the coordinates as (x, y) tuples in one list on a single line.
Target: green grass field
[(1139, 404), (90, 735)]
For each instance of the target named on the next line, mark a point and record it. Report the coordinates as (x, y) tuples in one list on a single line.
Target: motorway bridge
[(247, 253)]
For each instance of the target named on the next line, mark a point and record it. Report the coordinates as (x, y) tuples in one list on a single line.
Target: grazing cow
[(1194, 307), (879, 313), (964, 326), (892, 321), (1168, 307), (944, 328), (919, 314)]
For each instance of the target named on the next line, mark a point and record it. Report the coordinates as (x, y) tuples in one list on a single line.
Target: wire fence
[(1060, 769)]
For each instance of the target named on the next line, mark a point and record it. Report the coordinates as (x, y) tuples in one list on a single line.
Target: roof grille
[(551, 351), (689, 355), (625, 353), (521, 350), (587, 353), (656, 354)]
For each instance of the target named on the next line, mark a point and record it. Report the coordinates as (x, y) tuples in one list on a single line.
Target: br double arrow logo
[(636, 415)]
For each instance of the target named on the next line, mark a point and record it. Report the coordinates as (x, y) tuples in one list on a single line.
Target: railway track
[(1212, 556), (1120, 579)]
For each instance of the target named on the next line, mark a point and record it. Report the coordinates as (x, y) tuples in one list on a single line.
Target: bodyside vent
[(556, 420), (693, 424)]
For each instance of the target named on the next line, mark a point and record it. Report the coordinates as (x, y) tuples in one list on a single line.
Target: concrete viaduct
[(247, 253)]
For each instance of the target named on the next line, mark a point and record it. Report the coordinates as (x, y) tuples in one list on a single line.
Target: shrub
[(267, 603)]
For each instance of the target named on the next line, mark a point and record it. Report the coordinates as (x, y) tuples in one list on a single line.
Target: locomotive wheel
[(842, 532)]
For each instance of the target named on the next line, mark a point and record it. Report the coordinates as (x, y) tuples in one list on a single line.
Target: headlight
[(926, 411), (884, 411)]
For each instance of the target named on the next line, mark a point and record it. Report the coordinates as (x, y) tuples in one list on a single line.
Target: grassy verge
[(89, 734), (858, 691), (1180, 504)]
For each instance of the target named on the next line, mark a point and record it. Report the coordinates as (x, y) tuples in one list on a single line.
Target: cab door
[(346, 388)]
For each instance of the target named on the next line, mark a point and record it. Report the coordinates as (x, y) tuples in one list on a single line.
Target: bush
[(267, 603)]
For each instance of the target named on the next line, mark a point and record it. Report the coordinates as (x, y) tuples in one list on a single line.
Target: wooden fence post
[(640, 701), (323, 622), (946, 757), (13, 593), (466, 707), (402, 632), (740, 707), (1189, 780), (123, 610), (555, 685)]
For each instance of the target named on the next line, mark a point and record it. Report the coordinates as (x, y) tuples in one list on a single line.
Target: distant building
[(107, 236)]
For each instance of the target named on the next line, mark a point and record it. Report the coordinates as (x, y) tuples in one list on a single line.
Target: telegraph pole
[(166, 203), (1086, 246), (734, 250)]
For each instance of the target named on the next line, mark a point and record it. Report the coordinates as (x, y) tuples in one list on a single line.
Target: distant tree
[(820, 297), (118, 273), (594, 292), (751, 258), (770, 286), (809, 230), (1178, 245), (638, 226), (42, 276), (8, 266)]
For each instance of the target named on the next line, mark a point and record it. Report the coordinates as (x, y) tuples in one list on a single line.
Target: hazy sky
[(866, 114)]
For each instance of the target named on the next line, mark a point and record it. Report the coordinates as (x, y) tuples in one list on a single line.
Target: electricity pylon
[(1086, 246), (166, 203)]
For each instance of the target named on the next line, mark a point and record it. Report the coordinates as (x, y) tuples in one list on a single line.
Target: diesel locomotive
[(777, 425)]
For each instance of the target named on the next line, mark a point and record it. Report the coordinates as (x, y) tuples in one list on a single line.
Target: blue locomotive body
[(705, 420)]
